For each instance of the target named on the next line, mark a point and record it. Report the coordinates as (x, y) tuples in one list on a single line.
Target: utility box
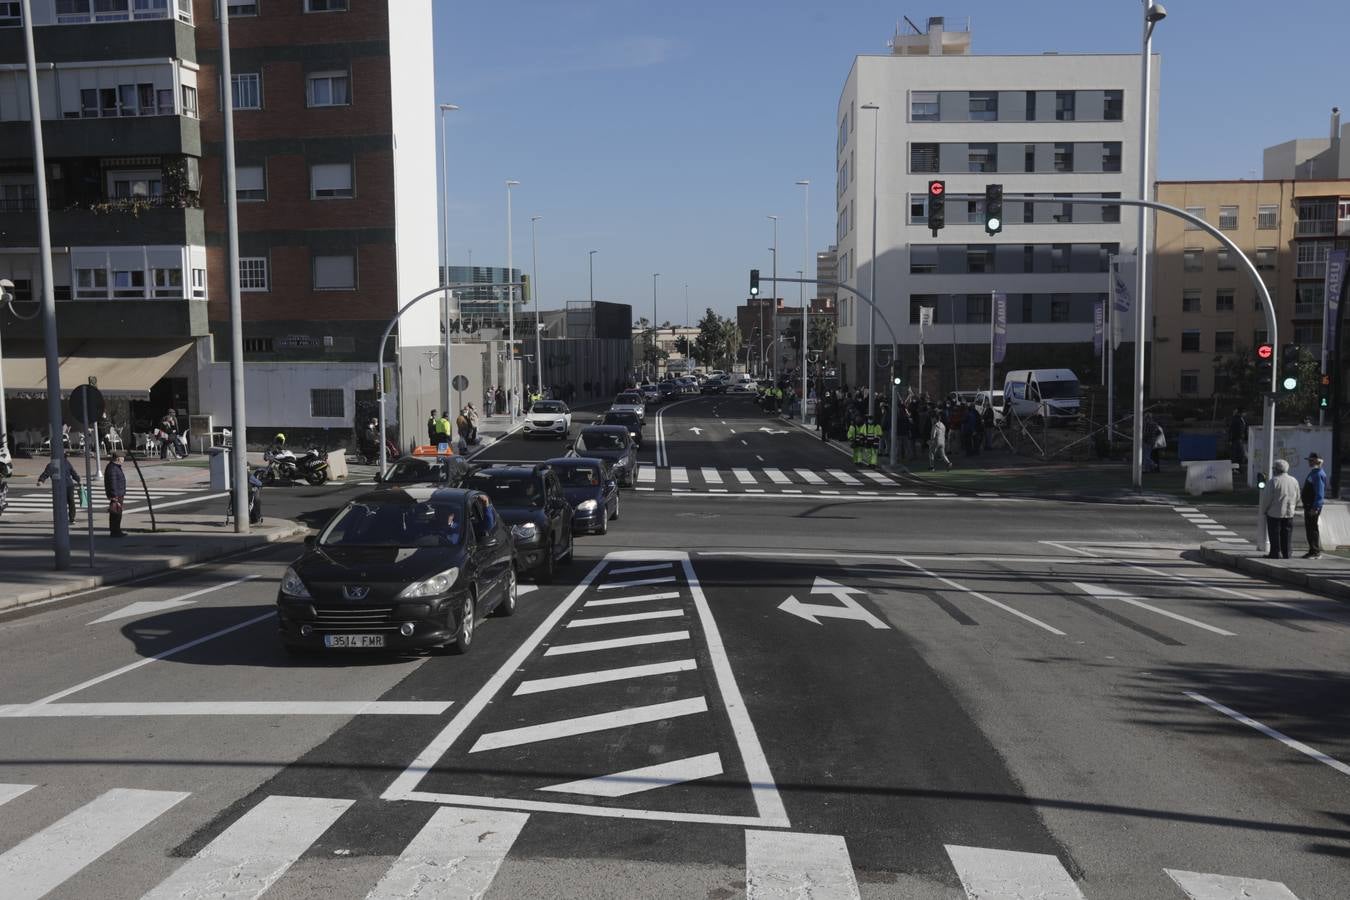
[(220, 468)]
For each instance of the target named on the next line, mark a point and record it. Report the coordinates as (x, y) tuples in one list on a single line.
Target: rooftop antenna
[(912, 25)]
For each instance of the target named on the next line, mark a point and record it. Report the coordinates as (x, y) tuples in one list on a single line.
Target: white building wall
[(277, 395)]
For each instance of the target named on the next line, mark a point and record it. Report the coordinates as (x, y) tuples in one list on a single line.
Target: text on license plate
[(353, 640)]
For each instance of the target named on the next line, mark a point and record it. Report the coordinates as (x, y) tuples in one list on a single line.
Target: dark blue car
[(590, 487)]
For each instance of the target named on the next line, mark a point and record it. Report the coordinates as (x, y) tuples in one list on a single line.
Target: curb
[(134, 571), (1328, 586)]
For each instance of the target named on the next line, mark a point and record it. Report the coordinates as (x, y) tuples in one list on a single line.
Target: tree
[(822, 335), (1238, 378), (718, 340)]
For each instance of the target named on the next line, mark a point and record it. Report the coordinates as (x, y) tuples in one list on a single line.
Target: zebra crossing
[(458, 852), (776, 480), (1211, 528), (38, 502)]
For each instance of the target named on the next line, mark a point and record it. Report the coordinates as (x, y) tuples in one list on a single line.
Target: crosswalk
[(458, 852), (777, 480), (38, 502), (1212, 529)]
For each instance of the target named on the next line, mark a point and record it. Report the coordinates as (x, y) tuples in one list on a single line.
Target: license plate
[(353, 640)]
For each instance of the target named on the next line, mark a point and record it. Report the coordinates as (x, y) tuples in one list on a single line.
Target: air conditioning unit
[(54, 171)]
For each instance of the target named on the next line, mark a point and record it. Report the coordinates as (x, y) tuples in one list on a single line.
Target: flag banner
[(1098, 323), (1000, 313), (1122, 297), (925, 317), (1336, 260)]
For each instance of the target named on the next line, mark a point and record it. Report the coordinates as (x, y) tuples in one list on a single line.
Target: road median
[(1328, 576)]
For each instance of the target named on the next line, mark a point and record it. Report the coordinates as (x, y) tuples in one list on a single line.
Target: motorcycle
[(170, 444), (313, 466), (6, 470), (283, 465)]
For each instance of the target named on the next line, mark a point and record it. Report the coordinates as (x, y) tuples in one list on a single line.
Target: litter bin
[(1197, 447), (220, 468)]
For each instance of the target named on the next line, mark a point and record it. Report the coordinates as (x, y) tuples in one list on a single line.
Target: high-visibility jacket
[(872, 434), (855, 435), (443, 426)]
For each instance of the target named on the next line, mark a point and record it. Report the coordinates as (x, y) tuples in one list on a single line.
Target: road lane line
[(227, 708), (627, 617), (641, 598), (584, 679), (616, 643), (732, 430), (1269, 732), (1011, 874), (841, 475), (647, 778), (175, 601), (744, 476), (56, 853), (777, 477), (638, 583), (679, 475), (1202, 886), (781, 866), (977, 595), (711, 476), (1185, 509), (1200, 585), (455, 856), (203, 497), (633, 570), (564, 728), (1112, 594), (875, 476), (743, 443), (808, 476), (246, 858), (9, 791), (647, 475)]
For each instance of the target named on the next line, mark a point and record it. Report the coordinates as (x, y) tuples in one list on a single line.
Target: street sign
[(460, 382), (94, 398)]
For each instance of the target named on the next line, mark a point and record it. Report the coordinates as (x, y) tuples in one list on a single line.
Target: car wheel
[(603, 528), (615, 517), (464, 637), (571, 549), (548, 569), (507, 606)]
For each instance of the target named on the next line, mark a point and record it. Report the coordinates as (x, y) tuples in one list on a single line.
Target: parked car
[(615, 445), (548, 418), (630, 401), (1052, 393), (627, 419), (650, 392), (530, 499), (399, 568), (590, 487), (982, 401)]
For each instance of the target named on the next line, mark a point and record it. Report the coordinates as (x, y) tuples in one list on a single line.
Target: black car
[(531, 500), (714, 385), (667, 390), (630, 420), (614, 444), (448, 471), (589, 486), (400, 568)]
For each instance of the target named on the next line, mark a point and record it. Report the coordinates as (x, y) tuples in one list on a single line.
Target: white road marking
[(646, 489), (679, 475), (777, 477), (742, 440), (754, 490), (1111, 594), (1233, 540), (1201, 886), (56, 853), (633, 570), (875, 476), (1271, 733), (9, 791), (455, 856), (136, 509), (227, 708), (793, 491), (647, 778), (641, 598), (841, 475), (888, 498), (1011, 875), (732, 430), (626, 617), (607, 721), (647, 475), (151, 606), (583, 679), (711, 476), (744, 476), (631, 584), (246, 858), (616, 643), (758, 457), (808, 476), (978, 596), (1185, 509), (785, 866)]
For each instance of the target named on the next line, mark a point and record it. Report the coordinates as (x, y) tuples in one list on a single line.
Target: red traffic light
[(1265, 351), (937, 188)]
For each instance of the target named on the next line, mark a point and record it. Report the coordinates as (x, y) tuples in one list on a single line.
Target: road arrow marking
[(696, 430), (146, 607), (768, 430), (1108, 593), (850, 609)]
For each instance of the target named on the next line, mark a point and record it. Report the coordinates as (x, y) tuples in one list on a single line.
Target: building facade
[(1050, 125)]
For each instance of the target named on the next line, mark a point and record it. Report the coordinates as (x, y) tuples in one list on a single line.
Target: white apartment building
[(1052, 125)]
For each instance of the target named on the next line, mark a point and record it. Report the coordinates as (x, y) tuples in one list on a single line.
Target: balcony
[(1314, 227), (89, 228), (119, 319), (76, 42), (1308, 311), (130, 136)]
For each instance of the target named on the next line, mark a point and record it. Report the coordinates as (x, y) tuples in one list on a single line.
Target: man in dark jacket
[(115, 487), (1314, 497)]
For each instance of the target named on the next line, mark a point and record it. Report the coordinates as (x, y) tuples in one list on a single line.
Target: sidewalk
[(1329, 576)]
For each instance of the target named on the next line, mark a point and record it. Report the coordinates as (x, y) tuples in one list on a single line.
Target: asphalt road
[(762, 686)]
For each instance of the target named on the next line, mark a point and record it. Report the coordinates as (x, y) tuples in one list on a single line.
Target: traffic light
[(1265, 358), (937, 206), (1289, 369), (1324, 392), (754, 282), (993, 208), (897, 373)]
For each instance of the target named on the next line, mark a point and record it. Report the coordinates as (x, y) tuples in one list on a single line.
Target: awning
[(122, 368)]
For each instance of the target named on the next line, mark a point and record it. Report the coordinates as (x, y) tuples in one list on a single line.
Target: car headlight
[(587, 506), (292, 586), (525, 533), (431, 587), (621, 463)]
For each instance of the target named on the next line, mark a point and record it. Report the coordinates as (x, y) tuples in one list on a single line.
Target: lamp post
[(510, 313), (1153, 14), (655, 275), (805, 184), (447, 372), (534, 280), (774, 251), (872, 310), (591, 256)]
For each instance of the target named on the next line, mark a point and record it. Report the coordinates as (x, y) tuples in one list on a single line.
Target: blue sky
[(663, 134)]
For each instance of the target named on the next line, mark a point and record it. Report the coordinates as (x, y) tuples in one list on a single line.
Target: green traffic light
[(1290, 383)]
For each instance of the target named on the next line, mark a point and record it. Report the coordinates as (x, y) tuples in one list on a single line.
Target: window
[(1064, 157), (1223, 342), (918, 209), (1308, 335), (335, 273), (126, 185), (329, 181), (1193, 259), (923, 157), (246, 90), (1028, 212), (91, 283), (1316, 216), (1059, 308), (1064, 106), (1111, 213), (1029, 158), (239, 8), (258, 345), (1028, 258), (168, 282), (129, 283), (1268, 216), (1310, 259), (978, 309), (250, 183), (107, 101), (325, 5), (190, 101), (1309, 300), (11, 14), (1190, 341), (1031, 108), (1259, 337), (982, 157), (984, 106), (923, 106), (1065, 213), (1266, 258), (111, 10), (151, 9), (1059, 257), (17, 196), (1223, 300), (1199, 213), (979, 259), (1111, 156), (841, 225), (199, 282), (1113, 106), (164, 101), (89, 103), (1225, 259), (1190, 301), (329, 89), (1228, 218), (1190, 381), (253, 273), (974, 212), (327, 403)]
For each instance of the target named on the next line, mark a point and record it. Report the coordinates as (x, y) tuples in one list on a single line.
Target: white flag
[(925, 317), (1122, 292)]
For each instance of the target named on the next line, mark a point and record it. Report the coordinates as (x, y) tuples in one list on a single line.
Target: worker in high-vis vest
[(871, 441), (858, 442)]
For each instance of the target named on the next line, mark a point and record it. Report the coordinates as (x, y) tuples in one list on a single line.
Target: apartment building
[(1207, 307), (1054, 125)]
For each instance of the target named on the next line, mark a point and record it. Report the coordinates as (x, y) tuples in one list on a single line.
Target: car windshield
[(626, 419), (600, 440), (508, 490), (546, 406), (412, 470), (1058, 390), (626, 399), (578, 476), (404, 524)]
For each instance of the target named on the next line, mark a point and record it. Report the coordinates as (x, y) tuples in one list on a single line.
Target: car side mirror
[(311, 540), (379, 478)]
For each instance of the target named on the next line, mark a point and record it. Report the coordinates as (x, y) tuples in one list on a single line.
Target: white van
[(982, 400), (1053, 393)]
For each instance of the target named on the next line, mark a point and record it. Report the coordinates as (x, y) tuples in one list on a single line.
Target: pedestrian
[(72, 480), (968, 419), (1156, 441), (443, 433), (462, 428), (499, 404), (115, 487), (432, 427), (1314, 496), (987, 421), (857, 438), (1237, 436), (1277, 505), (472, 415), (937, 444), (487, 401)]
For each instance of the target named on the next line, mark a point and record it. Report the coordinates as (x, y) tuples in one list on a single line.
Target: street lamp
[(872, 309), (510, 312), (591, 257), (447, 372), (805, 184), (1153, 14), (655, 275), (534, 281), (774, 248)]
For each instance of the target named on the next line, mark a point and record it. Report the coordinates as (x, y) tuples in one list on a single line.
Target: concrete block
[(1207, 476), (337, 464), (1334, 524)]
